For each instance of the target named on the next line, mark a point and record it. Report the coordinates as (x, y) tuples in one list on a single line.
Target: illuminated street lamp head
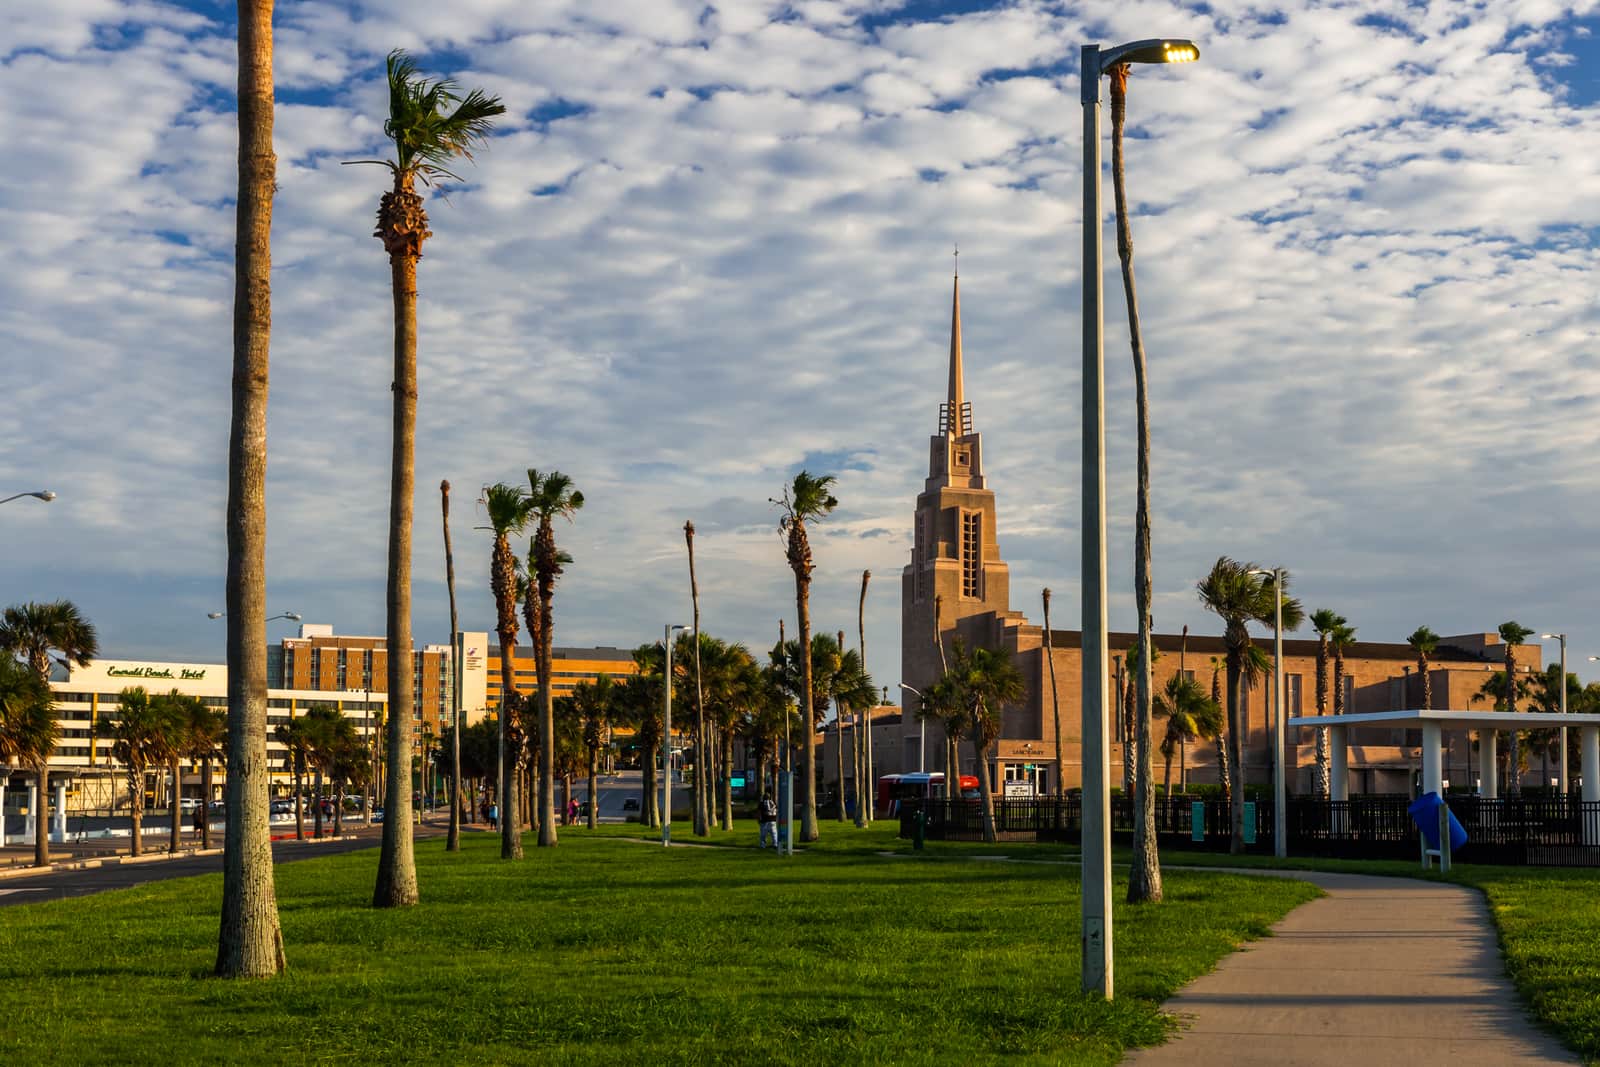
[(214, 614), (46, 495), (1153, 50)]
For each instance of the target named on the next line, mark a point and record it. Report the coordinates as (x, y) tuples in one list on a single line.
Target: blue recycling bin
[(1424, 811)]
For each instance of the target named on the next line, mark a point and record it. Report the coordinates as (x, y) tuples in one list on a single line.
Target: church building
[(957, 587)]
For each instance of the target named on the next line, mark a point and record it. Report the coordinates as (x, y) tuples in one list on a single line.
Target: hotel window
[(971, 546), (1291, 686), (919, 556)]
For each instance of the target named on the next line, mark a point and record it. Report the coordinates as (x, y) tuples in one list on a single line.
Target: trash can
[(1424, 811)]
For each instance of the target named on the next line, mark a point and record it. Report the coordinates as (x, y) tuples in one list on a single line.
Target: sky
[(709, 245)]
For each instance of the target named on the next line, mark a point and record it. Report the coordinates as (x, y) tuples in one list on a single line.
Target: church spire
[(956, 416)]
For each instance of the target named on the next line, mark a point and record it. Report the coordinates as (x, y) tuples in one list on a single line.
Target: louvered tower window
[(971, 526)]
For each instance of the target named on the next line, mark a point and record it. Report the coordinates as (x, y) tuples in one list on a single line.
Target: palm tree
[(28, 734), (431, 125), (203, 732), (1341, 639), (1190, 714), (1424, 642), (1513, 634), (848, 685), (327, 730), (141, 731), (249, 939), (1237, 595), (1145, 880), (637, 703), (348, 765), (1055, 701), (296, 741), (508, 510), (808, 499), (1224, 776), (549, 495), (593, 701), (453, 842), (702, 816), (987, 680), (1324, 621), (188, 713), (865, 791), (35, 632)]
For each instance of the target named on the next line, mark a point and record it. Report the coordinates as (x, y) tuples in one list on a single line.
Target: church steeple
[(955, 414)]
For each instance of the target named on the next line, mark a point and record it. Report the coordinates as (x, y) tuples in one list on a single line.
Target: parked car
[(377, 814), (188, 803), (283, 806)]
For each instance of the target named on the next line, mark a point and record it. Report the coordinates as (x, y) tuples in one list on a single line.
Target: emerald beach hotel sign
[(182, 673)]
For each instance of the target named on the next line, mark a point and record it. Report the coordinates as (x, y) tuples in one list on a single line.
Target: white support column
[(1338, 763), (58, 829), (1488, 770), (3, 776), (1591, 763), (1590, 745), (30, 825), (1432, 774)]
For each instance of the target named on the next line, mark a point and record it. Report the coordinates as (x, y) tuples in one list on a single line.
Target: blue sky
[(711, 243)]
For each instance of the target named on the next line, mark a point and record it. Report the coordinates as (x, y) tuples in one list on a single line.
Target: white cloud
[(1363, 238)]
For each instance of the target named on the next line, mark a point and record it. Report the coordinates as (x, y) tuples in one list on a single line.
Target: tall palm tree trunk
[(453, 841), (397, 870), (299, 806), (1144, 878), (980, 748), (1055, 701), (866, 784), (249, 939), (727, 779), (702, 779), (316, 804), (41, 820), (1236, 749), (136, 812), (547, 726), (205, 803), (510, 832), (176, 837), (1514, 750), (594, 797), (649, 806), (808, 813)]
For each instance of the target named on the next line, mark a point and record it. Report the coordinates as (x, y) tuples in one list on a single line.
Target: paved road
[(56, 885), (1379, 971)]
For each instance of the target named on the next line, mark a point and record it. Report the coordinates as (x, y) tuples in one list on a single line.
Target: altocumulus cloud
[(712, 240)]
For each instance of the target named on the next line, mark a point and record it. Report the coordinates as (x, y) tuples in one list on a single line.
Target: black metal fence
[(1544, 830)]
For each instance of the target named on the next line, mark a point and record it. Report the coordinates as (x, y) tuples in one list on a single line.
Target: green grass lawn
[(609, 951)]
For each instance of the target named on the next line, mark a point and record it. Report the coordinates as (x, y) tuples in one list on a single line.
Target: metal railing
[(1543, 830)]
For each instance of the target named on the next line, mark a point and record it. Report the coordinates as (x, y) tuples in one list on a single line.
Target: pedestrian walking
[(494, 816), (768, 818)]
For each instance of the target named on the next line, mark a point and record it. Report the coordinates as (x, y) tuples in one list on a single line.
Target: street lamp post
[(922, 732), (291, 615), (1096, 869), (40, 494), (1566, 782), (1280, 843), (666, 738)]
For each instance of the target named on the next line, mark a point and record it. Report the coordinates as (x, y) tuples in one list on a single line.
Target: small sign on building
[(1018, 788)]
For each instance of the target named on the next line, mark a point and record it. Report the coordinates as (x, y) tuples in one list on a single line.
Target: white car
[(188, 803)]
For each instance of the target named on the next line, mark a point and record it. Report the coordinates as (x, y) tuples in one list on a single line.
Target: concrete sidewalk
[(1380, 971)]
